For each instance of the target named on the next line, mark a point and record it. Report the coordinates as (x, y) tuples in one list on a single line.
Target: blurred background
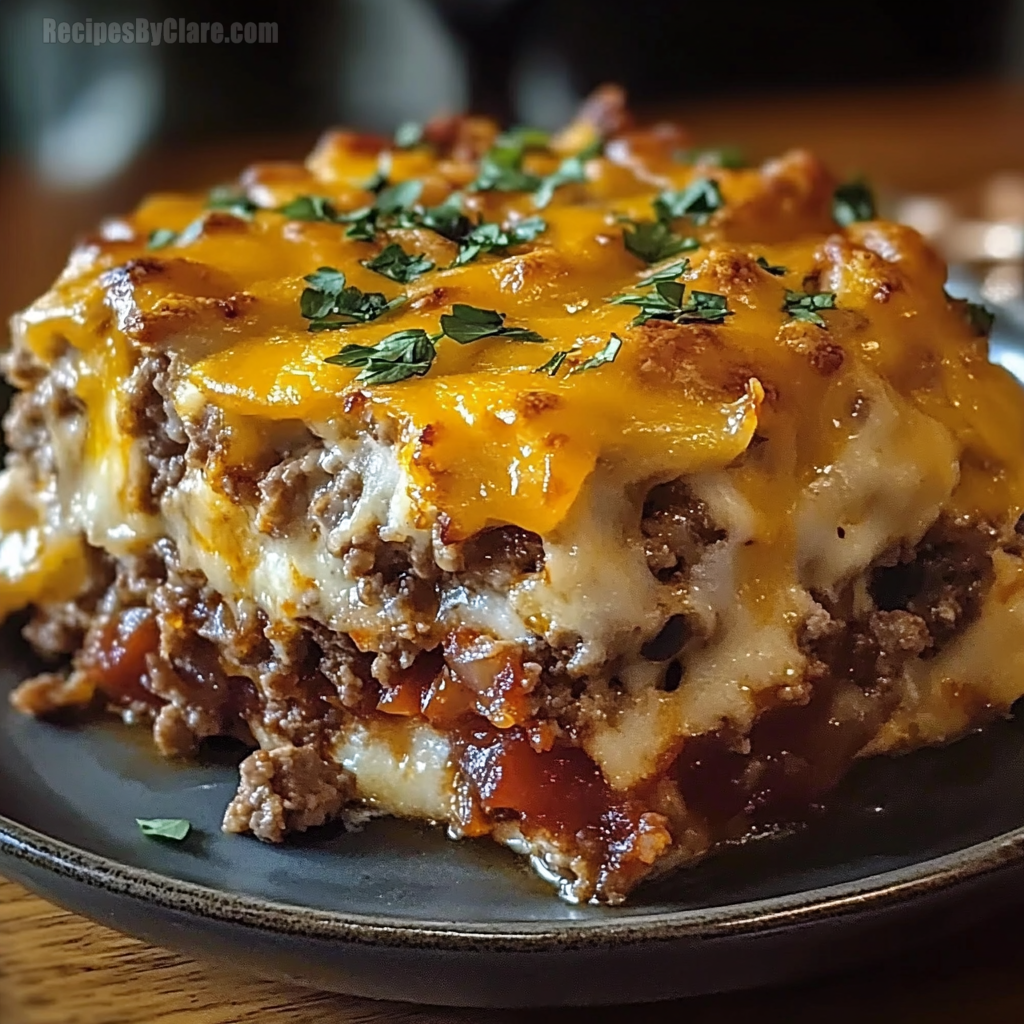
[(925, 98)]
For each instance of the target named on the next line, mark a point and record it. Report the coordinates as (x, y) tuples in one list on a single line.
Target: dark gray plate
[(910, 848)]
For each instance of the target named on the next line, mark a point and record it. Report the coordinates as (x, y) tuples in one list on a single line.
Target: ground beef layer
[(156, 644)]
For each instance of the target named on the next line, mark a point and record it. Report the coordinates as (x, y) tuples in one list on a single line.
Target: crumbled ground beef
[(51, 693), (286, 789), (870, 652), (501, 555), (943, 581), (341, 662), (57, 630), (148, 415), (923, 596), (286, 491), (334, 500), (34, 413), (676, 527)]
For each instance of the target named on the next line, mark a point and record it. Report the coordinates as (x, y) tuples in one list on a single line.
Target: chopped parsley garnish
[(395, 358), (553, 365), (606, 355), (501, 167), (697, 201), (309, 208), (572, 170), (805, 305), (165, 828), (980, 317), (853, 202), (398, 197), (525, 138), (776, 271), (396, 207), (394, 262), (329, 305), (665, 302), (411, 353), (489, 237), (231, 201), (378, 181), (362, 224), (447, 219), (654, 241), (161, 237), (466, 324), (481, 238), (408, 134), (729, 157), (393, 201), (527, 229), (501, 170), (704, 307), (667, 273)]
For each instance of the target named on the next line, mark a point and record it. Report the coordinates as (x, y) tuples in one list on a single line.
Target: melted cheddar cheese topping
[(485, 438)]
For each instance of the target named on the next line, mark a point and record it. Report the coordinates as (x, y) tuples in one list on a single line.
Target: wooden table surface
[(56, 968)]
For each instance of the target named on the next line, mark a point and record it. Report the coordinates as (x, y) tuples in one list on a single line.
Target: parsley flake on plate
[(164, 828)]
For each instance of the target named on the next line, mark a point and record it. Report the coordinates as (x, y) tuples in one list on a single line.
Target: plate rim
[(873, 893)]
